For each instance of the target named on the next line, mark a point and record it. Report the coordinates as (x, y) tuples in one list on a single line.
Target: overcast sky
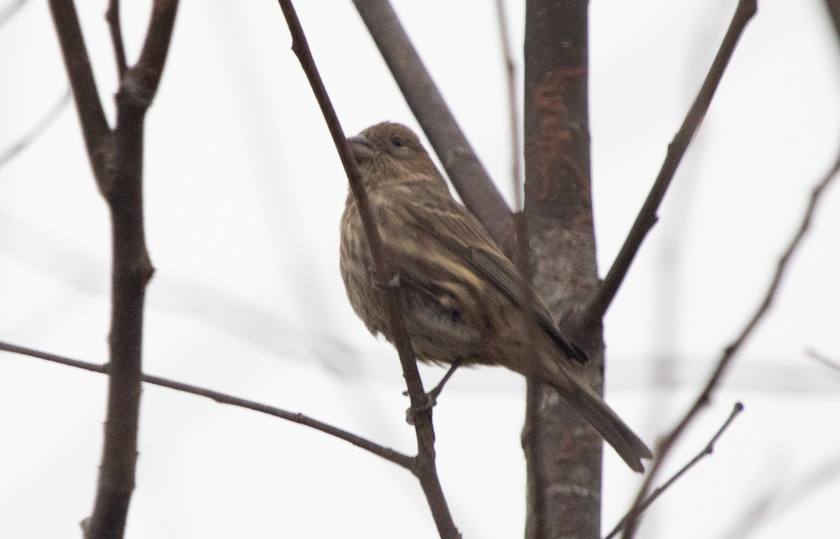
[(243, 195)]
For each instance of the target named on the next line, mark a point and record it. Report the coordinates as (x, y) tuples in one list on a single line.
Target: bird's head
[(392, 153)]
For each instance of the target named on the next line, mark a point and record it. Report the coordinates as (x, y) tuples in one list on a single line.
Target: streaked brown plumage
[(460, 295)]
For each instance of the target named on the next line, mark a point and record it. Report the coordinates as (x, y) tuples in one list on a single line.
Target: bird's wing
[(459, 231)]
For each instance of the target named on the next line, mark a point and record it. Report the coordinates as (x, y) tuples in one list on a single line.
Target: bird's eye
[(397, 141)]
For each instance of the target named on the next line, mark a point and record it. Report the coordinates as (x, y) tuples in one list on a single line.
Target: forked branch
[(117, 161), (710, 447), (386, 453), (425, 469), (647, 217), (667, 444), (424, 99)]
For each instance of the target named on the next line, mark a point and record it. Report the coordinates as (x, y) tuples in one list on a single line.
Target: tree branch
[(98, 136), (386, 453), (833, 365), (117, 160), (561, 236), (522, 255), (426, 102), (36, 131), (113, 18), (10, 9), (425, 469), (647, 217), (772, 505), (665, 446), (737, 409), (142, 80), (833, 7)]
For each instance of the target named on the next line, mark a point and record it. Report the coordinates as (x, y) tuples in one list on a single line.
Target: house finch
[(461, 297)]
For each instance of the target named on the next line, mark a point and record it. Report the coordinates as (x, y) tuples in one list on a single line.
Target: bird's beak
[(362, 148)]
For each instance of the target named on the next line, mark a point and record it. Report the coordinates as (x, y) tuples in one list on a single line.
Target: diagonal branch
[(833, 7), (386, 453), (426, 102), (819, 358), (647, 217), (729, 352), (143, 79), (776, 502), (710, 447), (425, 469), (36, 131), (97, 134), (10, 9), (113, 18)]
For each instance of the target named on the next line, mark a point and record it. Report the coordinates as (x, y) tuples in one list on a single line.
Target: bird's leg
[(431, 396)]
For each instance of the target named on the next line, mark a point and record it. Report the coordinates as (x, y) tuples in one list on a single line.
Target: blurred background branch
[(665, 446), (466, 172)]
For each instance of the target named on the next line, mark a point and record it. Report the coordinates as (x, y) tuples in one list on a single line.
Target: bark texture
[(558, 205)]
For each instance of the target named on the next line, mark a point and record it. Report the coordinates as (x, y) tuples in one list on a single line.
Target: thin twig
[(522, 256), (386, 453), (772, 504), (467, 173), (425, 469), (647, 217), (98, 136), (665, 446), (113, 18), (813, 354), (513, 109), (660, 490), (36, 131), (10, 10)]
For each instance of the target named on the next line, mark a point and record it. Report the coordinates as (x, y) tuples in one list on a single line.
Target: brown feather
[(461, 296)]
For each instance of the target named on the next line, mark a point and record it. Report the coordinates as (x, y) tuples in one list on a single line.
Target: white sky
[(244, 192)]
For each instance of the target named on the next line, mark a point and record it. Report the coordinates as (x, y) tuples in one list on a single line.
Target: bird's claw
[(431, 402), (431, 396)]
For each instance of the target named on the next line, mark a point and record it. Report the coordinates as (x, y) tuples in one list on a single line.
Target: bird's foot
[(411, 412), (431, 396)]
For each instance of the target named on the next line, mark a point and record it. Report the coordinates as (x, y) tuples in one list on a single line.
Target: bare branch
[(386, 453), (833, 365), (117, 160), (113, 18), (660, 490), (647, 217), (425, 469), (665, 446), (36, 131), (833, 7), (142, 80), (457, 156), (772, 505), (10, 10), (513, 110), (97, 134), (530, 436)]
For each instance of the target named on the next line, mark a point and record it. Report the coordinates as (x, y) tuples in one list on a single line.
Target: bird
[(461, 297)]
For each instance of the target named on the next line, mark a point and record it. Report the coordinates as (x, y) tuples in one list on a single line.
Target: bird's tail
[(572, 386)]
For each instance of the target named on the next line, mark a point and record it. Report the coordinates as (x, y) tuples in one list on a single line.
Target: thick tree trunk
[(558, 204)]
